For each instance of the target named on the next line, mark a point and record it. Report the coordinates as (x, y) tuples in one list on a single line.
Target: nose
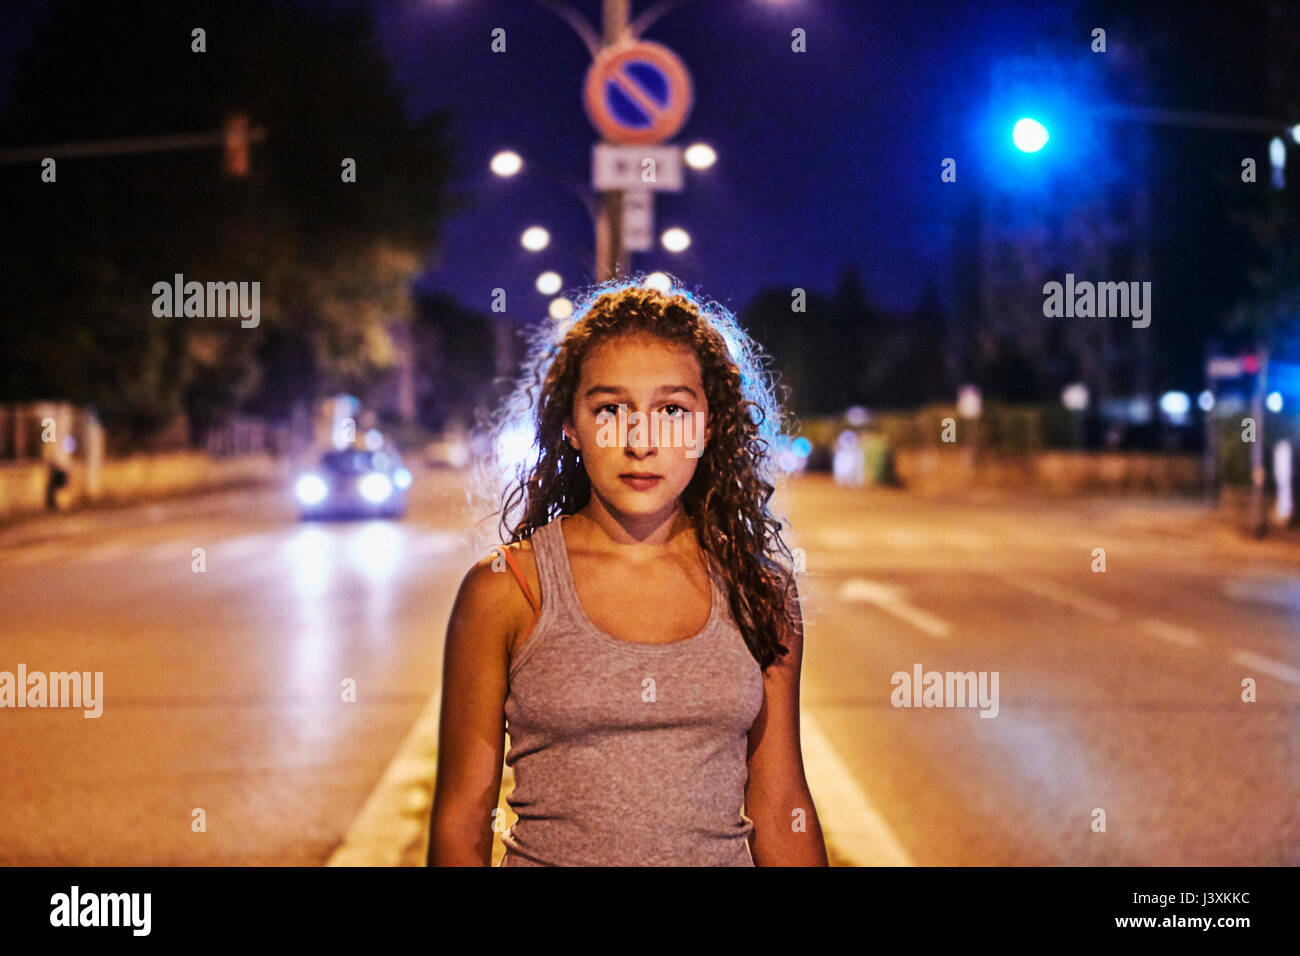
[(639, 451), (641, 441)]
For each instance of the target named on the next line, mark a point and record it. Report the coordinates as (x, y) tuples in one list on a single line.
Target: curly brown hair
[(727, 498)]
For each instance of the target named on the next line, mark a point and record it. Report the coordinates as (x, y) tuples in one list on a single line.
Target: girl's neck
[(632, 536)]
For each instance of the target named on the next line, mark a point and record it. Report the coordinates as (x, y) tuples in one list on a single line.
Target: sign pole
[(637, 95), (611, 257)]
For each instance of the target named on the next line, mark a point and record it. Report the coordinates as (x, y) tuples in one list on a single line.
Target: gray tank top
[(626, 754)]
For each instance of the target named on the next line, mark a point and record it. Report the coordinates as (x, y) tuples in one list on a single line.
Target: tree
[(332, 257)]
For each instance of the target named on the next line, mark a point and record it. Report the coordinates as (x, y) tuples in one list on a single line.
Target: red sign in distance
[(637, 93)]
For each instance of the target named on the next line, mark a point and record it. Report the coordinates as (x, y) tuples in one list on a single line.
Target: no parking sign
[(637, 93)]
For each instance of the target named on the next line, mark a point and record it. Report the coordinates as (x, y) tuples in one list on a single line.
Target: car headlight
[(311, 489), (402, 478), (375, 488)]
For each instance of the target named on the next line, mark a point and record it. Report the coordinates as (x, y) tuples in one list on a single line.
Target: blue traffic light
[(1029, 135)]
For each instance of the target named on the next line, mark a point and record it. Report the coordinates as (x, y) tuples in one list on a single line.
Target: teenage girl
[(643, 652)]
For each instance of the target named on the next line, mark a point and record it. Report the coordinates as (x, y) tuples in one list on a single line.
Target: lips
[(640, 480)]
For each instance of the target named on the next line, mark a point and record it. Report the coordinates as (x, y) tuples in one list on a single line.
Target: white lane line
[(851, 825), (396, 811), (1170, 632), (890, 600), (1067, 596), (1268, 666)]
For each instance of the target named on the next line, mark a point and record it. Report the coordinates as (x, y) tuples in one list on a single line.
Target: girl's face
[(640, 420)]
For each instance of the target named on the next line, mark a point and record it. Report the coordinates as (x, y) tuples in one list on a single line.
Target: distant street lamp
[(700, 156), (506, 163), (1277, 160), (675, 239), (560, 308), (1075, 396), (535, 239), (659, 281), (548, 283)]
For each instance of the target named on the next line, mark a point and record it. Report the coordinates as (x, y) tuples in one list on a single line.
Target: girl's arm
[(786, 829), (471, 735)]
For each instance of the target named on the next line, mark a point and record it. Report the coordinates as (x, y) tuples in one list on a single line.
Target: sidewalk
[(1168, 517), (37, 528)]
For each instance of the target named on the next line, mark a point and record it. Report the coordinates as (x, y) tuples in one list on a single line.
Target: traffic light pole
[(132, 146)]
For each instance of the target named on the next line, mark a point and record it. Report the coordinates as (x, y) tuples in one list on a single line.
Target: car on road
[(354, 483)]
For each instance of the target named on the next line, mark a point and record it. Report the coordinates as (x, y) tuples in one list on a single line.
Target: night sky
[(827, 159)]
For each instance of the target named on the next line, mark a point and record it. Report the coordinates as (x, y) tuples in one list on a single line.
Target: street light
[(506, 163), (560, 309), (1029, 135), (535, 239), (700, 156), (548, 283), (675, 239), (659, 281), (1277, 159)]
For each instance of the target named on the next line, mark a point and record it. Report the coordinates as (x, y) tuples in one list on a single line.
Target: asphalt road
[(224, 689)]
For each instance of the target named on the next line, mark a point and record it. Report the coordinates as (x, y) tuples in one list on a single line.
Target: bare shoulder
[(490, 597)]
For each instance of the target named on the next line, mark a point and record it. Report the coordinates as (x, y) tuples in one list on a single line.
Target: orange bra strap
[(523, 583)]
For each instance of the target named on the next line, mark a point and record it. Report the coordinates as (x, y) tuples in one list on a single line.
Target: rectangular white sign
[(636, 167), (638, 220)]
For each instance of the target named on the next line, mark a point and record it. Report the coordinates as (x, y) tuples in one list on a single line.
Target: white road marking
[(1280, 590), (851, 825), (890, 600), (1067, 596), (1268, 666), (1170, 632), (397, 809)]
